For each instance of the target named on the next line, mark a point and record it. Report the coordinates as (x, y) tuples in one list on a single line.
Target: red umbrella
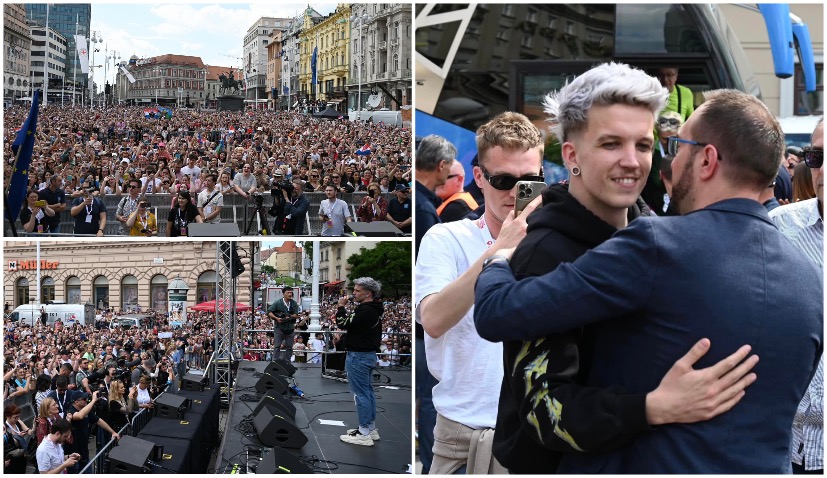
[(210, 306)]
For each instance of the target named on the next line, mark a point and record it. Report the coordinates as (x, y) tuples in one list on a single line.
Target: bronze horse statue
[(230, 83)]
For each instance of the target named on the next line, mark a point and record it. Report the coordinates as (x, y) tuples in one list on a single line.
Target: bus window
[(656, 28)]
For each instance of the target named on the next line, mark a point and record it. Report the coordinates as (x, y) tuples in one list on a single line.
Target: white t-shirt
[(469, 368), (194, 171), (336, 211), (216, 201)]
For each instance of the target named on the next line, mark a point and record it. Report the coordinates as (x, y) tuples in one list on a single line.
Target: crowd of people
[(118, 372), (81, 157)]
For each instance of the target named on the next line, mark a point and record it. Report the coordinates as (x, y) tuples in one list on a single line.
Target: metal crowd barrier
[(24, 403), (236, 209), (97, 464)]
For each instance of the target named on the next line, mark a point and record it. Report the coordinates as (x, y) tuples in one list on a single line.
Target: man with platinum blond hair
[(707, 279), (362, 341), (606, 117)]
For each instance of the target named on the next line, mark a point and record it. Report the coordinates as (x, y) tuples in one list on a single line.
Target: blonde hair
[(45, 405), (510, 131)]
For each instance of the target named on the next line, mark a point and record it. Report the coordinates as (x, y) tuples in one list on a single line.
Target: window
[(206, 287), (22, 291), (809, 103), (129, 292), (158, 292), (47, 290), (73, 290), (100, 289)]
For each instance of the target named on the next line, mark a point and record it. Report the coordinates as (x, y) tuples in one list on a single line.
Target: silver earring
[(575, 171)]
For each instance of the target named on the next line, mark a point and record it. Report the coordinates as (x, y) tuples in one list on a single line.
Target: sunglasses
[(669, 122), (813, 158), (673, 142), (506, 182)]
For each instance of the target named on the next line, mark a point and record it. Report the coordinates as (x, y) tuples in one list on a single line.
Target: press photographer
[(294, 209)]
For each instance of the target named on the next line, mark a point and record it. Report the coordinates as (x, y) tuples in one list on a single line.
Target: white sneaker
[(357, 438), (374, 434)]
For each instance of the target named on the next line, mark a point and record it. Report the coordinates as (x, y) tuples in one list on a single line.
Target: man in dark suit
[(292, 220), (665, 283)]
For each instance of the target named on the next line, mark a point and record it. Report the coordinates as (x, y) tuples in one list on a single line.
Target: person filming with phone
[(34, 212), (374, 206)]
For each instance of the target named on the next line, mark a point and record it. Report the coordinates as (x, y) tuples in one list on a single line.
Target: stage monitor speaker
[(276, 401), (373, 229), (226, 229), (280, 461), (278, 430), (196, 383), (169, 405), (270, 381), (281, 367), (131, 455)]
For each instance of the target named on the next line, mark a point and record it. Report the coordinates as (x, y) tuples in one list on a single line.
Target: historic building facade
[(119, 274)]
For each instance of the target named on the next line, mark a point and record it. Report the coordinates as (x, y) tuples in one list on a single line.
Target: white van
[(69, 314), (392, 118)]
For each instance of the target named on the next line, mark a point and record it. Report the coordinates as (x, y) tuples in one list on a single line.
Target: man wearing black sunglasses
[(803, 224), (470, 370), (660, 285)]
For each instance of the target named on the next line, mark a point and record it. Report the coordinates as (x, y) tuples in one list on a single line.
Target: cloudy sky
[(215, 32)]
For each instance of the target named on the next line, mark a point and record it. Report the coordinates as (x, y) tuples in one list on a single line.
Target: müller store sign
[(32, 265)]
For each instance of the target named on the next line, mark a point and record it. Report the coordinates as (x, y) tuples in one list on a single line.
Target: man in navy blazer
[(661, 284)]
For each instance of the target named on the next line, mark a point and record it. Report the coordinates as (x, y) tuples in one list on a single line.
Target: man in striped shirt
[(803, 223)]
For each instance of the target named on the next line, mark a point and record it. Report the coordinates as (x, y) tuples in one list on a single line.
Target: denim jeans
[(359, 366)]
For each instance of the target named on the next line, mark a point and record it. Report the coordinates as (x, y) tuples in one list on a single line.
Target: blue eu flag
[(22, 148), (313, 67)]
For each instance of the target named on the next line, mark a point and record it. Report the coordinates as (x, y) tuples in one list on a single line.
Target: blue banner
[(22, 149), (313, 67)]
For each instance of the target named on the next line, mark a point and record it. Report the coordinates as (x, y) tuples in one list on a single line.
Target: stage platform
[(331, 402)]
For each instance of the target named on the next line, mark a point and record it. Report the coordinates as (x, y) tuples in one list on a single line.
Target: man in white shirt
[(50, 457), (803, 224), (191, 169), (333, 213), (469, 369), (210, 201)]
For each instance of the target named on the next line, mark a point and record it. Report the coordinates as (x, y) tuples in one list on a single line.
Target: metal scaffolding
[(224, 319)]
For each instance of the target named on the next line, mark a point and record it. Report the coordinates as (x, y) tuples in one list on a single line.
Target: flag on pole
[(313, 64), (83, 52), (22, 148), (128, 74)]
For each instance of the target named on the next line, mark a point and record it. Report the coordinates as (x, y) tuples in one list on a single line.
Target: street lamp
[(114, 57), (360, 21), (96, 38)]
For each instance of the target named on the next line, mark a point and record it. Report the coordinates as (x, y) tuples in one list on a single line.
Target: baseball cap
[(401, 187)]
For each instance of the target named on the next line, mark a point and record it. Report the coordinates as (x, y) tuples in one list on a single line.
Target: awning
[(333, 284)]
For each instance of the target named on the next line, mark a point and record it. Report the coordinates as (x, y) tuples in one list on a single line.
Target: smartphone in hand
[(526, 192)]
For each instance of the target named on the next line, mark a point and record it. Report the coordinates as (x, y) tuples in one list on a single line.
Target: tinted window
[(656, 28)]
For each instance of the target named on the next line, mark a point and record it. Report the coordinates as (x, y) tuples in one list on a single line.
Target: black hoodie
[(542, 409), (364, 326)]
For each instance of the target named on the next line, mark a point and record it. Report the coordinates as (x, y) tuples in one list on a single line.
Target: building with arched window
[(128, 276)]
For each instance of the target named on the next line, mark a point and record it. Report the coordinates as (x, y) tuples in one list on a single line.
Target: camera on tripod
[(259, 199)]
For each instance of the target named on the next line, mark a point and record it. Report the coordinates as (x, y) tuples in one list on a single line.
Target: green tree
[(268, 269), (388, 262)]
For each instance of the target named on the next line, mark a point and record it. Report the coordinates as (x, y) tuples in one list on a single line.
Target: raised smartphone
[(526, 192)]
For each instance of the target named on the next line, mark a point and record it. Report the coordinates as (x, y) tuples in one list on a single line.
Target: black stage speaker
[(277, 403), (270, 381), (169, 405), (373, 229), (227, 229), (131, 455), (282, 462), (196, 383), (278, 430), (281, 367)]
